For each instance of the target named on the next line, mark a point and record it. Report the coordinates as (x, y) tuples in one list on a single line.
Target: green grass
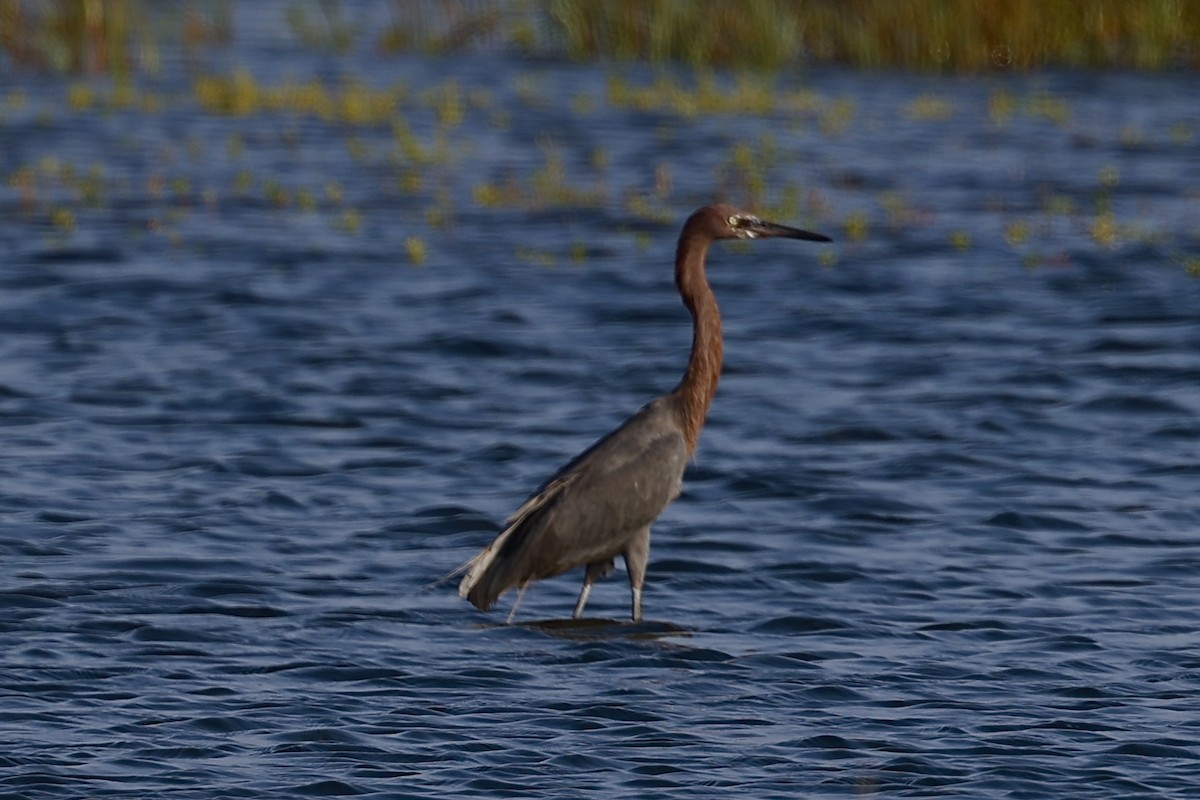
[(959, 36), (926, 35), (119, 37)]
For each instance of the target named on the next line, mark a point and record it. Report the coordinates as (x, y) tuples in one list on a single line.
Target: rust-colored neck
[(694, 394)]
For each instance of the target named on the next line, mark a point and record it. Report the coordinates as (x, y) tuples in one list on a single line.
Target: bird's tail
[(484, 582), (494, 571)]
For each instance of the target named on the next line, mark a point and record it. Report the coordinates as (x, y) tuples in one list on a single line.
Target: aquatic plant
[(241, 94), (857, 226), (416, 249), (63, 219), (1105, 230), (1017, 232), (704, 94), (549, 186), (350, 221), (929, 107)]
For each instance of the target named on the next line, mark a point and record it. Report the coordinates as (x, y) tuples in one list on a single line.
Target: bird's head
[(723, 221)]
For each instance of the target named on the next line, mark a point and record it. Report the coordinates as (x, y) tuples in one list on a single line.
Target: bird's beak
[(765, 230)]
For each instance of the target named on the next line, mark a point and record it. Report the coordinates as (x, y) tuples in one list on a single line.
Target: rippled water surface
[(940, 539)]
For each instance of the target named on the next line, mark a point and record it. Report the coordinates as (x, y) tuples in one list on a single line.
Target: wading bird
[(603, 502)]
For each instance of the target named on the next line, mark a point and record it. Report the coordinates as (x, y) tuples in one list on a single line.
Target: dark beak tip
[(809, 236), (773, 229)]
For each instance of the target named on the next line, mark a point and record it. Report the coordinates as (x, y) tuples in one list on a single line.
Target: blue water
[(941, 539)]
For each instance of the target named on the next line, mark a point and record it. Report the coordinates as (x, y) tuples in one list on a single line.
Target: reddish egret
[(603, 502)]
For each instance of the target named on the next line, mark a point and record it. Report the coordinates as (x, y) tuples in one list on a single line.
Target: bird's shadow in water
[(602, 629)]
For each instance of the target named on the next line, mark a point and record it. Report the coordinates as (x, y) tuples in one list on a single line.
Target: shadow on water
[(603, 629)]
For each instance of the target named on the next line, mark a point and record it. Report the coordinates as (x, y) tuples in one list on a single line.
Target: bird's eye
[(736, 221)]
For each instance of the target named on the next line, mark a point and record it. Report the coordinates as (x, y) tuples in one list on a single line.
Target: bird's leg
[(583, 598), (516, 604), (595, 571), (637, 554)]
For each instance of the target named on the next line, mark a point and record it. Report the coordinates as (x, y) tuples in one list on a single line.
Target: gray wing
[(590, 509)]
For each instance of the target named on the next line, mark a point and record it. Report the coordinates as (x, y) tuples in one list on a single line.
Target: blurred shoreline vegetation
[(917, 35), (118, 37), (415, 142), (947, 36)]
